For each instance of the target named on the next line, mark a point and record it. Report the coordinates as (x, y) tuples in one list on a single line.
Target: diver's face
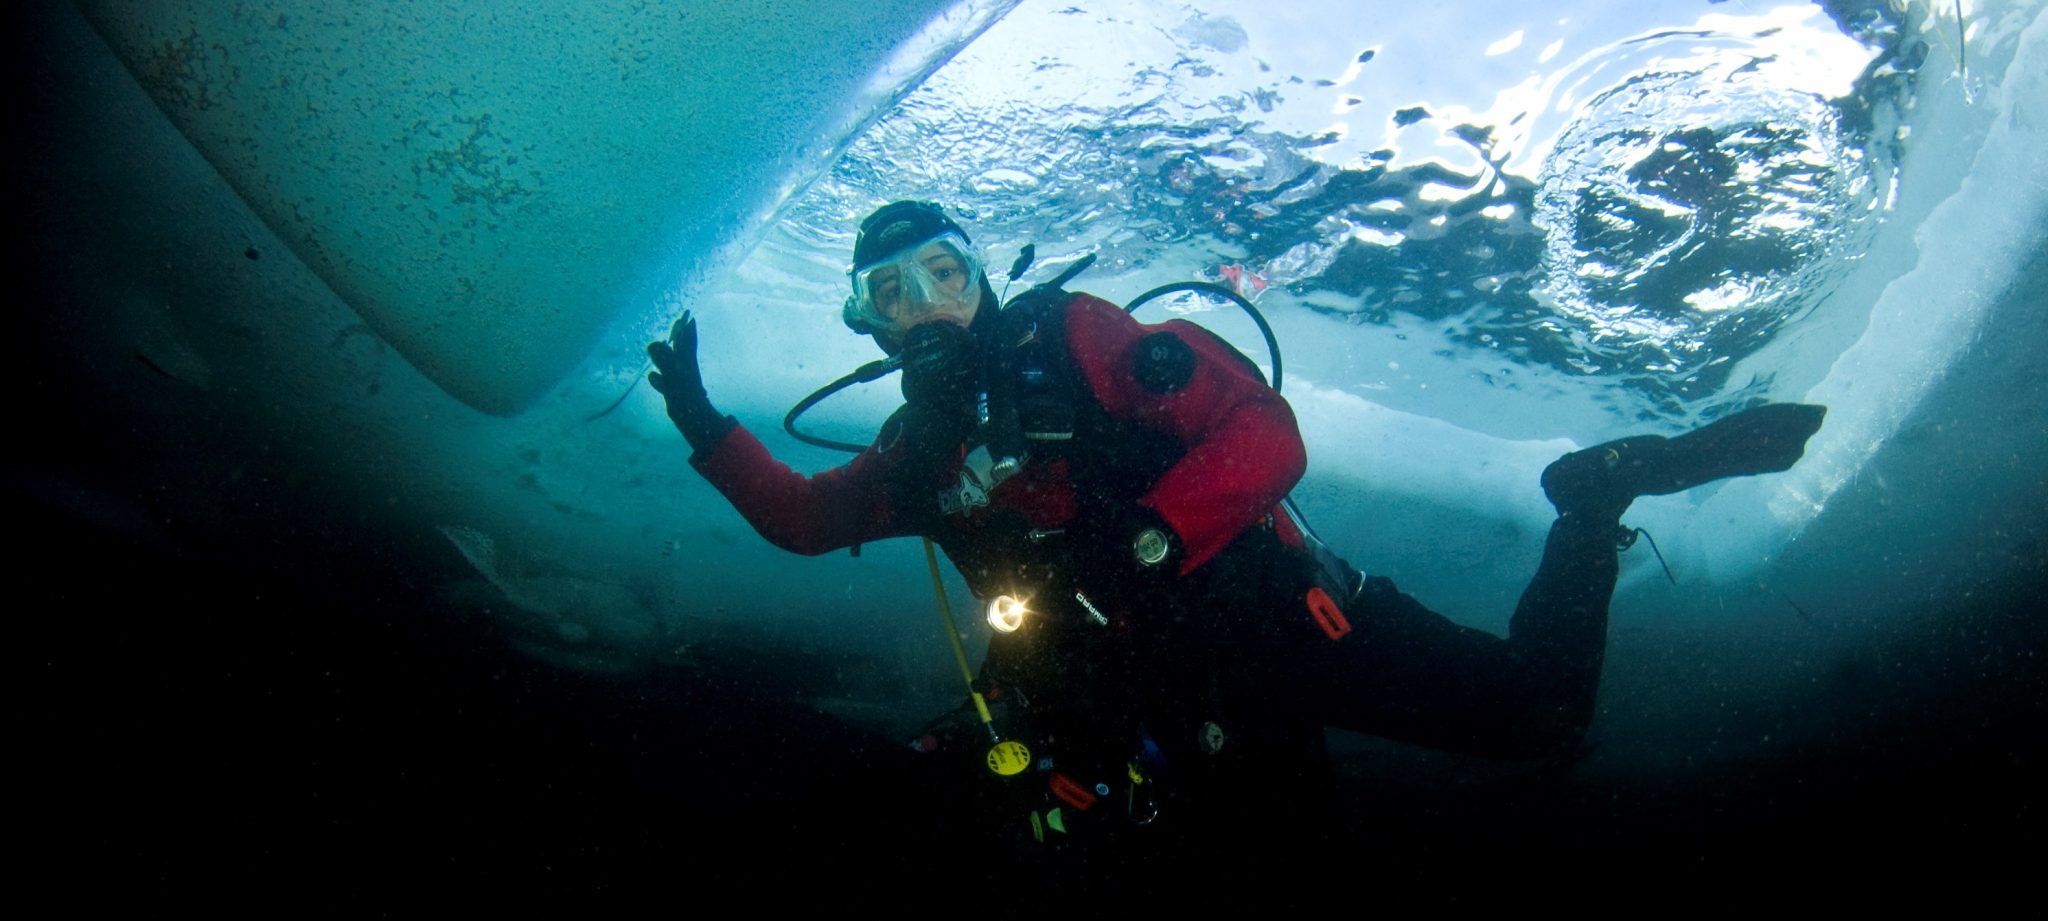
[(934, 284)]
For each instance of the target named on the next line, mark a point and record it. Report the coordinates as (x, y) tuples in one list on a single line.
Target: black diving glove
[(679, 381), (941, 365)]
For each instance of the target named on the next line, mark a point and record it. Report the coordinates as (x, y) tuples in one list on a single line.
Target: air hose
[(1009, 757), (876, 370)]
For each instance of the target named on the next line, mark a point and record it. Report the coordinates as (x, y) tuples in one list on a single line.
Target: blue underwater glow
[(333, 541)]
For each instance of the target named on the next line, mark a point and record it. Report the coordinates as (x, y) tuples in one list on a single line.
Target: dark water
[(234, 724)]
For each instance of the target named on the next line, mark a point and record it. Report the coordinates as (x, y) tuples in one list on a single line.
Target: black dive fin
[(1602, 480), (1763, 439)]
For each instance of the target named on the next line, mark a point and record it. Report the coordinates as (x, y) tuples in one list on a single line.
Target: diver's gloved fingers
[(664, 360), (675, 360), (682, 334)]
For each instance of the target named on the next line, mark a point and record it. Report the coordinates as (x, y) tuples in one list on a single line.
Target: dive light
[(1006, 613)]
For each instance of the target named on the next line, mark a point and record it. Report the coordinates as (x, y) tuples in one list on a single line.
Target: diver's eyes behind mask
[(935, 276)]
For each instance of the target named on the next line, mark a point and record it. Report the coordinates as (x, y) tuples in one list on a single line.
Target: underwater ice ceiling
[(490, 185), (1479, 246)]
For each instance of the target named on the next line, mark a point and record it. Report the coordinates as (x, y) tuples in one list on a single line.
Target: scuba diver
[(1171, 638)]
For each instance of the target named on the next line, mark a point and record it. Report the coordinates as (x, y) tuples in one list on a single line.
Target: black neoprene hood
[(897, 225)]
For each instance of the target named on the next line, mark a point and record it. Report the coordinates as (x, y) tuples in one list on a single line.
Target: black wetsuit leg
[(1410, 674)]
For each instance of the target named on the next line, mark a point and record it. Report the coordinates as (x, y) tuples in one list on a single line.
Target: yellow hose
[(931, 559)]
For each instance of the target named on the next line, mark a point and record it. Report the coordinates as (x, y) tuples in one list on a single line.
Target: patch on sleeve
[(1162, 363)]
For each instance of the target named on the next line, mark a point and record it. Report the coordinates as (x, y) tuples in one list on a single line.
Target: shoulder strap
[(1110, 461)]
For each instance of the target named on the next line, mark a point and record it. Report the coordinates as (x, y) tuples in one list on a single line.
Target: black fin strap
[(1628, 539)]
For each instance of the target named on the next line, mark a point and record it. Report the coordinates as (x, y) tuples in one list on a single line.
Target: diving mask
[(940, 276)]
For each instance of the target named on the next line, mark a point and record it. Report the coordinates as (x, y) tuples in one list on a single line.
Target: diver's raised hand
[(679, 381)]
